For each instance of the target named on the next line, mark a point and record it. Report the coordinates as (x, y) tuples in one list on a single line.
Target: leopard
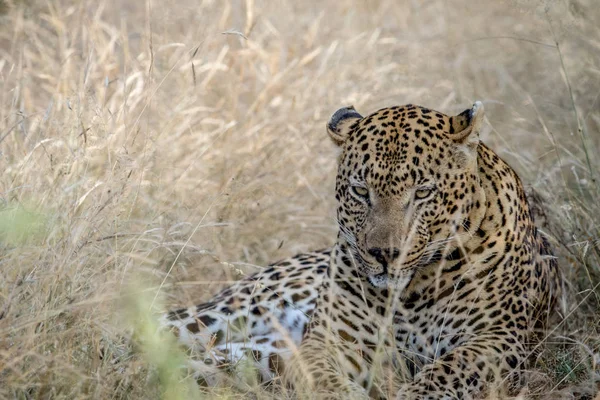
[(439, 284)]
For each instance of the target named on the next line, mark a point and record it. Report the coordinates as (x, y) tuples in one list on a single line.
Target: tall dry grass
[(151, 151)]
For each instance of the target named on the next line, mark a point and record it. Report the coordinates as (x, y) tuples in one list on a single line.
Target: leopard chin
[(396, 282)]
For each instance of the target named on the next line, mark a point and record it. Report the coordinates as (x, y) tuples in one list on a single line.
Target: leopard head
[(407, 187)]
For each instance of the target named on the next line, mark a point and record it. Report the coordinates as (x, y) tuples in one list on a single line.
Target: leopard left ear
[(465, 127), (340, 124)]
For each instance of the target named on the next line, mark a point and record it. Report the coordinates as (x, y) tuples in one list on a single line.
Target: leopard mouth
[(369, 269), (396, 278), (379, 274), (396, 282)]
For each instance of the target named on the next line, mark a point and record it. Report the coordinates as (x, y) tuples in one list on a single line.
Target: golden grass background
[(157, 149)]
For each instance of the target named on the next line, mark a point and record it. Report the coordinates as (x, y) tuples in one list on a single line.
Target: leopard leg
[(468, 370)]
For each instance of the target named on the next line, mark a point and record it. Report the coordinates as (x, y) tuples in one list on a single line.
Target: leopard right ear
[(340, 124)]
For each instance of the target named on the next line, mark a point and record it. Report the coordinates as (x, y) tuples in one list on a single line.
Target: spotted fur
[(438, 275)]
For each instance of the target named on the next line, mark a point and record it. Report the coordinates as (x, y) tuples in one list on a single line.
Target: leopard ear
[(465, 127), (340, 124)]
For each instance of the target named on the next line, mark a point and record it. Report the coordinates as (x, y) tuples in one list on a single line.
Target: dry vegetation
[(152, 150)]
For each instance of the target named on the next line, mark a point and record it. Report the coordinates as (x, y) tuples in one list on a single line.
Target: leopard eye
[(421, 194), (361, 191)]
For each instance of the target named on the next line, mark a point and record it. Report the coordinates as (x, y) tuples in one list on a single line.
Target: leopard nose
[(384, 256)]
